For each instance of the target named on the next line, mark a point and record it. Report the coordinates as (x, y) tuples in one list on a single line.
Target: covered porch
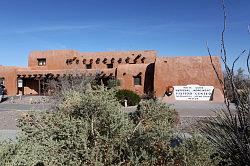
[(39, 82)]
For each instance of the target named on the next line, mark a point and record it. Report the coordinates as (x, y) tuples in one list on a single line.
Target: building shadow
[(149, 80)]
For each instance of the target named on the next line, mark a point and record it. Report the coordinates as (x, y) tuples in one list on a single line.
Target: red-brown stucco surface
[(156, 73)]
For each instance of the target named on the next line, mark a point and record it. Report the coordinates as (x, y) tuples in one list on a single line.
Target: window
[(137, 80), (41, 61), (109, 66), (89, 66)]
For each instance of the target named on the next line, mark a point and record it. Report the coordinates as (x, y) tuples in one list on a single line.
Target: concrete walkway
[(193, 108), (9, 113), (22, 107), (198, 109), (8, 134)]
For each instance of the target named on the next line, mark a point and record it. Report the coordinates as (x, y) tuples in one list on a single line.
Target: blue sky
[(172, 27)]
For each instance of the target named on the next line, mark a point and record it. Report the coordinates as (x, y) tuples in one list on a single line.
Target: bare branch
[(137, 126), (216, 72), (229, 132), (232, 69), (223, 47), (248, 56)]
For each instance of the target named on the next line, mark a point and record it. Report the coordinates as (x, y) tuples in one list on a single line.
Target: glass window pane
[(137, 80)]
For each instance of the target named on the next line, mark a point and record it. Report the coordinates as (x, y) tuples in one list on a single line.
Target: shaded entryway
[(33, 86), (149, 80)]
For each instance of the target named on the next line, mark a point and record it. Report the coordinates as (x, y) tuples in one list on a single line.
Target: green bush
[(155, 125), (88, 127), (131, 97), (155, 133), (113, 83), (197, 151)]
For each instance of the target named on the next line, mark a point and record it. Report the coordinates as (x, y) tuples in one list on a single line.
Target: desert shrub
[(69, 83), (149, 95), (7, 150), (88, 127), (131, 97), (155, 125), (113, 83), (241, 83), (155, 133), (154, 111), (229, 131), (197, 151)]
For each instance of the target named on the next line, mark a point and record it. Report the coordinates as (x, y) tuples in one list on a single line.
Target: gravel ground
[(8, 120), (190, 124), (8, 128), (12, 108)]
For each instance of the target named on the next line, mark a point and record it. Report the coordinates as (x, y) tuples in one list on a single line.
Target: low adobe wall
[(10, 79), (182, 71)]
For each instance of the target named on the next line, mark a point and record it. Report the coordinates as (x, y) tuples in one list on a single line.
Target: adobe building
[(140, 71)]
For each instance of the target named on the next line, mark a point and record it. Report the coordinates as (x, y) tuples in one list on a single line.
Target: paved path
[(21, 107), (8, 134), (9, 113), (8, 120), (193, 109), (198, 109), (8, 124)]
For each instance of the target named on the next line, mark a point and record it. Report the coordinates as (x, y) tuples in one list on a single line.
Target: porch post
[(39, 87)]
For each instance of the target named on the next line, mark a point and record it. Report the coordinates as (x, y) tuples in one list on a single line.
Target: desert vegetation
[(87, 126), (131, 97), (229, 131)]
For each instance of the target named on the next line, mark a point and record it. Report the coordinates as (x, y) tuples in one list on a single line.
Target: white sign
[(193, 92), (20, 83)]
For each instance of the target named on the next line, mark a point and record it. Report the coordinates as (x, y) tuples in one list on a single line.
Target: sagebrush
[(89, 127)]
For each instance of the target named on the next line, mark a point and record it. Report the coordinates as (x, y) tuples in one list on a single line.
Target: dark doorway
[(149, 80)]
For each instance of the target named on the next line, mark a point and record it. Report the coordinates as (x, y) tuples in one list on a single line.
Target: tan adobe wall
[(57, 59), (156, 73), (10, 79), (173, 71), (125, 74)]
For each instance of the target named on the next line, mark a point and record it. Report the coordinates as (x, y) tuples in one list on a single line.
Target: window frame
[(42, 60), (88, 66), (110, 65), (137, 80)]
